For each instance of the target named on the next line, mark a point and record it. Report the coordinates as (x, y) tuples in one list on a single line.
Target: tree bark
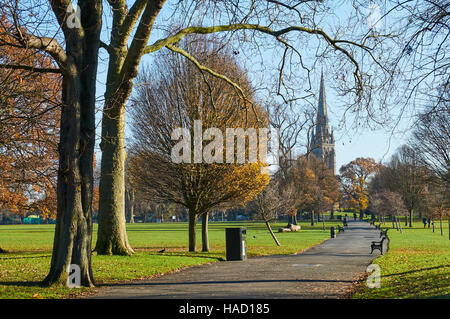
[(122, 69), (205, 237), (192, 226), (129, 204), (294, 219), (312, 218), (132, 214), (73, 230), (411, 212), (112, 237), (272, 233)]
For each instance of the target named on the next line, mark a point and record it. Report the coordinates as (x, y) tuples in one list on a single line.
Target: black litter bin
[(236, 242)]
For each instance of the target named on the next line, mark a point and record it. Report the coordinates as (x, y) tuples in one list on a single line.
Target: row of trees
[(416, 179), (406, 185)]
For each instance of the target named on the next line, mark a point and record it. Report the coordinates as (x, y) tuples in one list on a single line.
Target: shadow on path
[(328, 270)]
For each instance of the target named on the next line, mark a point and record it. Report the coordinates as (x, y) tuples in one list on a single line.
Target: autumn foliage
[(317, 187), (354, 182), (29, 119)]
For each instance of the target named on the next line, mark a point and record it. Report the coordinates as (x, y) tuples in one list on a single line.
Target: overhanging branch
[(203, 68), (335, 43), (29, 68)]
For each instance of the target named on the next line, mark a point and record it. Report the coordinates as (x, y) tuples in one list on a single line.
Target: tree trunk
[(205, 239), (272, 234), (411, 212), (122, 69), (400, 225), (129, 204), (192, 226), (312, 218), (73, 229), (132, 214), (112, 236), (440, 223)]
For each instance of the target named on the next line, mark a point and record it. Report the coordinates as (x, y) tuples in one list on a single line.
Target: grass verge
[(417, 265), (28, 256)]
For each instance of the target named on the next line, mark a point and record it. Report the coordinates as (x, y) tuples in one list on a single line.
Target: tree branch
[(49, 45), (243, 26), (203, 68), (29, 68)]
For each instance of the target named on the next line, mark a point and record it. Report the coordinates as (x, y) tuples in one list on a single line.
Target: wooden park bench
[(378, 245), (384, 232)]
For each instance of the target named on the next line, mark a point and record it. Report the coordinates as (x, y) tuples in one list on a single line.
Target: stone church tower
[(322, 141)]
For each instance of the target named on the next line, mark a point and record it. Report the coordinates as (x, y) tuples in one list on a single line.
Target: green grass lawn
[(29, 252), (417, 265)]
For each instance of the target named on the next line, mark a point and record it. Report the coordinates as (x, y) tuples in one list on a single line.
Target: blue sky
[(350, 143)]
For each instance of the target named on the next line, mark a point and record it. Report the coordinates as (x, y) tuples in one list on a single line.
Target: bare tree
[(390, 203), (181, 96), (431, 139), (424, 29), (273, 202), (436, 202)]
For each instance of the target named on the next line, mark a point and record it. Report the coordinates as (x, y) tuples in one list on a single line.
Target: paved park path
[(328, 270)]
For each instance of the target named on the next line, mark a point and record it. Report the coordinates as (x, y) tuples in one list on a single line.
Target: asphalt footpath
[(328, 270)]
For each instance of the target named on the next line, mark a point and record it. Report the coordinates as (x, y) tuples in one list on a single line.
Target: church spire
[(322, 116), (322, 142)]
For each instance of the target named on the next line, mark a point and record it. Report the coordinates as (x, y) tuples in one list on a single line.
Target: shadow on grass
[(25, 257), (415, 270), (238, 282), (169, 254), (22, 283)]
